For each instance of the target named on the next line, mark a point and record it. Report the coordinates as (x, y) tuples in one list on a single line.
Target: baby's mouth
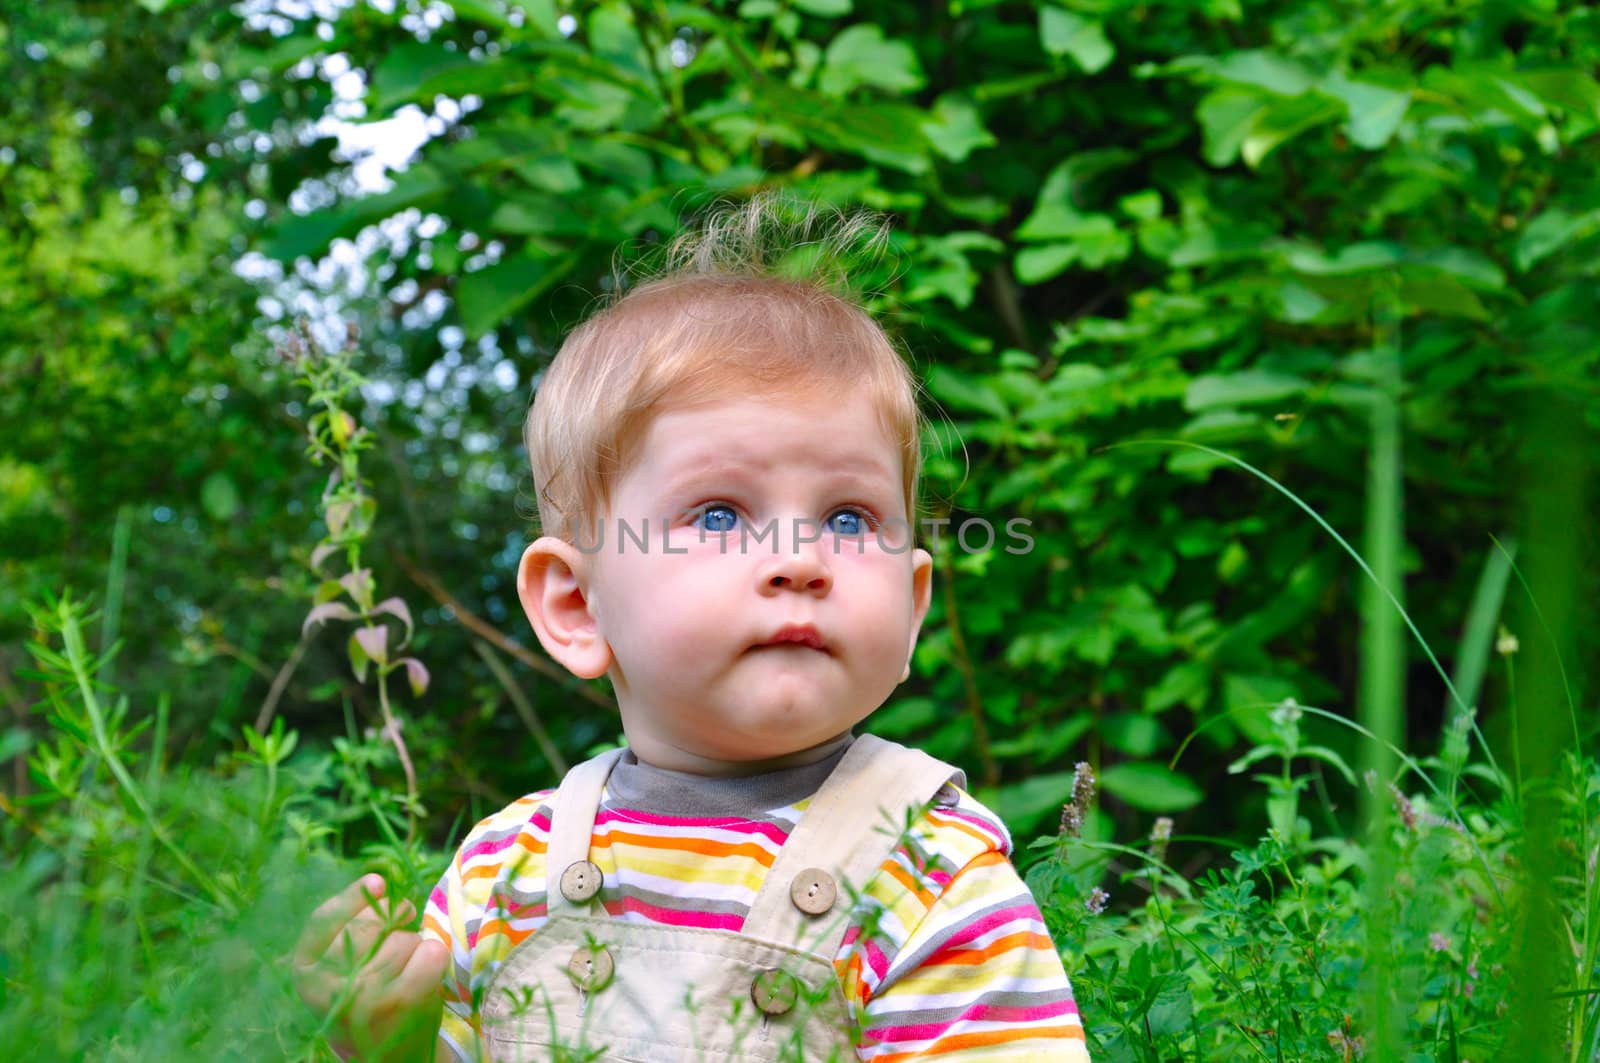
[(795, 637)]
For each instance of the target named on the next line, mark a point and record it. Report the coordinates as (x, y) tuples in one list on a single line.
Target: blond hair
[(753, 300)]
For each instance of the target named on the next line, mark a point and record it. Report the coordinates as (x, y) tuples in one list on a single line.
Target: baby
[(726, 460)]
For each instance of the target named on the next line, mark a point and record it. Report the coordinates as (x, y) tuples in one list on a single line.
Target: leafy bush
[(155, 902), (1299, 234)]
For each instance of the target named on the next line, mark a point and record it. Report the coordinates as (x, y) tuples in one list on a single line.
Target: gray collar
[(648, 789)]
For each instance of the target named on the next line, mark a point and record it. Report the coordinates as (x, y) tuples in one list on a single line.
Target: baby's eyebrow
[(866, 476)]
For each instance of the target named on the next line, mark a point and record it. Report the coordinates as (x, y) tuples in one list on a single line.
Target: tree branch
[(1008, 304), (280, 683), (19, 709), (524, 707), (969, 675), (495, 637)]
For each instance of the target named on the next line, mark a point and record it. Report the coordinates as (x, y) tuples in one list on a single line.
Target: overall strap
[(577, 802), (850, 828)]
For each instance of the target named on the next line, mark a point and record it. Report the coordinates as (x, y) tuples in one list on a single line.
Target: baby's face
[(772, 510)]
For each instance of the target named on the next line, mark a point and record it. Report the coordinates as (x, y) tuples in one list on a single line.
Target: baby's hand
[(386, 995)]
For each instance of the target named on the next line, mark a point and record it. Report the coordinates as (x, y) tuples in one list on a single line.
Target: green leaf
[(1186, 683), (1171, 1012), (824, 8), (1141, 206), (942, 269), (1133, 734), (613, 37), (1249, 700), (310, 234), (487, 12), (1572, 90), (1151, 787), (1035, 264), (402, 73), (889, 133), (1375, 112), (219, 497), (549, 173), (1552, 231), (1064, 33), (955, 128), (885, 133), (541, 14), (1244, 388), (1265, 70), (15, 742), (1026, 804), (1226, 116), (1282, 121), (1072, 181), (492, 294), (1470, 267), (967, 393), (595, 106), (1364, 257), (905, 717), (358, 657), (1439, 294), (860, 55)]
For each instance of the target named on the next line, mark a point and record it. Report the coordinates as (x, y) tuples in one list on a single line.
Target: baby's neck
[(669, 758)]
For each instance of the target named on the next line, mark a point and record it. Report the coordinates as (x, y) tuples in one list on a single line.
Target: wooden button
[(774, 991), (591, 969), (581, 881), (813, 891)]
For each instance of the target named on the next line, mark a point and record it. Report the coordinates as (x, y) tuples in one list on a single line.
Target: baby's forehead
[(757, 430)]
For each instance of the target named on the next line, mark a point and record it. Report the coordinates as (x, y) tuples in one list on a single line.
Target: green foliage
[(1296, 235), (152, 896), (1265, 957)]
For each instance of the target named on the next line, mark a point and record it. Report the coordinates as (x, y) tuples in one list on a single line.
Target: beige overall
[(589, 987)]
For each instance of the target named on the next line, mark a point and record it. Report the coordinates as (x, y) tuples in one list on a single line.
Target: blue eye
[(717, 518), (854, 523)]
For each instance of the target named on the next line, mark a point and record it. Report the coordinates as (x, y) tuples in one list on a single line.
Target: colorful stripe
[(946, 954)]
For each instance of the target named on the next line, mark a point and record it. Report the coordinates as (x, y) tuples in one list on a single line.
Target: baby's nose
[(799, 564)]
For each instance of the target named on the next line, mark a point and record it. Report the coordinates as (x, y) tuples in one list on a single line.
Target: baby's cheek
[(688, 618)]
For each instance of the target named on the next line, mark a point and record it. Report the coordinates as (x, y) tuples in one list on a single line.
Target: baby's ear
[(921, 597), (551, 581)]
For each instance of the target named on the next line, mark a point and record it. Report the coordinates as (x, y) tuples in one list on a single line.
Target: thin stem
[(1494, 764), (391, 727), (1516, 739), (78, 657), (519, 701)]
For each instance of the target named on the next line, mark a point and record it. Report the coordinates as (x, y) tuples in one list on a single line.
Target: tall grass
[(1532, 846), (152, 902)]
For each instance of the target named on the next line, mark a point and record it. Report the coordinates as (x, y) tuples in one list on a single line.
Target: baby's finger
[(424, 970), (330, 917), (393, 954), (358, 940), (416, 978), (402, 912)]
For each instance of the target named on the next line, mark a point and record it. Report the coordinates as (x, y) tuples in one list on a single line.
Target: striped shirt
[(957, 963)]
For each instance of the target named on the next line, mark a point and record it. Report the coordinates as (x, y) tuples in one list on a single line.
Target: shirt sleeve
[(977, 980), (444, 920), (959, 964), (467, 915)]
